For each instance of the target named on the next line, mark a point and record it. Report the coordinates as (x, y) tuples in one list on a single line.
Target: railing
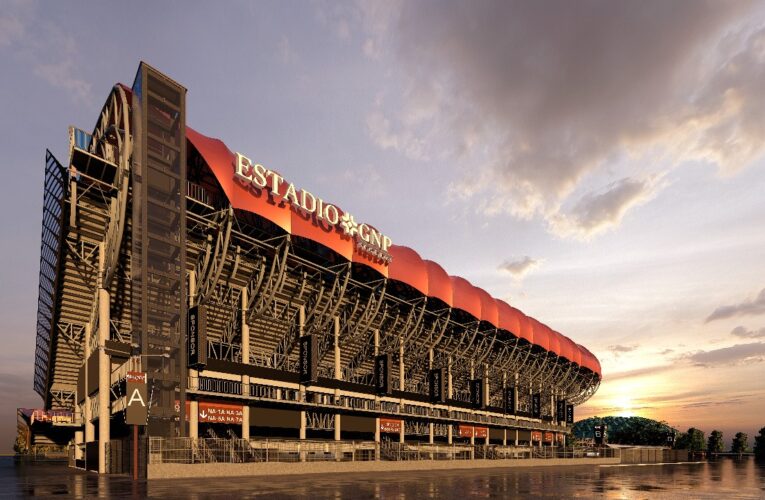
[(220, 450)]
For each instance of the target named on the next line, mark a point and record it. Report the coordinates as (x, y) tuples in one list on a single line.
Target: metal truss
[(319, 421)]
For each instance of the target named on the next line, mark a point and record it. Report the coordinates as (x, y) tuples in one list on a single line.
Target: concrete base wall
[(652, 455), (167, 471)]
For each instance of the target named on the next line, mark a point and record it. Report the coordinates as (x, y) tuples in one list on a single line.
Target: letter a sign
[(137, 410)]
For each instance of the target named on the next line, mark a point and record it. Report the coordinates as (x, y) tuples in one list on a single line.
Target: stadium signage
[(196, 331), (536, 405), (367, 238), (390, 425), (383, 379), (137, 410)]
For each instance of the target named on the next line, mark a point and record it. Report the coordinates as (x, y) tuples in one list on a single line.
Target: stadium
[(194, 303)]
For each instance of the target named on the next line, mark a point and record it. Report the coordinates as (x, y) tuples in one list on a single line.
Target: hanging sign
[(137, 396)]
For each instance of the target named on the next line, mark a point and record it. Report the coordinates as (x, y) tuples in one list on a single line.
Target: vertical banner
[(599, 433), (536, 405), (309, 359), (476, 393), (137, 409), (196, 334), (383, 375), (569, 414), (438, 385), (560, 410), (510, 400)]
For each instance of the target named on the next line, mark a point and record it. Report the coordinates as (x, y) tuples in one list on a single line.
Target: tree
[(693, 440), (740, 443), (627, 430), (759, 444), (715, 442)]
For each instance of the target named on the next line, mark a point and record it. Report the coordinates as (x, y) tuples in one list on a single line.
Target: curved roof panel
[(408, 267), (509, 318), (465, 296), (489, 309), (439, 283)]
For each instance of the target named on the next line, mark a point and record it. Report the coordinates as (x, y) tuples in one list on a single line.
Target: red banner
[(215, 413), (465, 431), (549, 437), (481, 432), (138, 377), (391, 425), (536, 435), (561, 438)]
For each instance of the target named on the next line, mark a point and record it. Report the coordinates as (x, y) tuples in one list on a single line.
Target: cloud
[(544, 99), (51, 53), (597, 212), (639, 372), (736, 354), (520, 267), (747, 307), (742, 332), (619, 349), (11, 29)]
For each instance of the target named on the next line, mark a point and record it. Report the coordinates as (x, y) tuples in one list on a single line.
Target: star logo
[(350, 227)]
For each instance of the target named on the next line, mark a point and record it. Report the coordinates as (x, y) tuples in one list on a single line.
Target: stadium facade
[(187, 291)]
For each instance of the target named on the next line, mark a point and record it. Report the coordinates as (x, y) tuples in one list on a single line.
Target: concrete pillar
[(402, 432), (430, 424), (104, 370), (377, 398), (78, 437), (449, 433), (301, 332), (245, 360), (515, 395), (87, 415), (504, 437), (486, 387), (401, 364), (73, 199), (338, 373), (338, 368), (516, 437)]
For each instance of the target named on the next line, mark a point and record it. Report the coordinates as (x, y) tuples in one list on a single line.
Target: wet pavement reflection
[(726, 478)]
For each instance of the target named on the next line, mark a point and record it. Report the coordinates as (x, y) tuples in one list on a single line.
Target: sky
[(599, 165)]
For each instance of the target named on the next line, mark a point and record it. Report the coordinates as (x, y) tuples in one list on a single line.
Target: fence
[(220, 450)]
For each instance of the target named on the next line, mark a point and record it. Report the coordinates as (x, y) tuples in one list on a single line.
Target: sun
[(624, 405)]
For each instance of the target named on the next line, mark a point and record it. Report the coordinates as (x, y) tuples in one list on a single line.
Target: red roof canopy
[(406, 266)]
